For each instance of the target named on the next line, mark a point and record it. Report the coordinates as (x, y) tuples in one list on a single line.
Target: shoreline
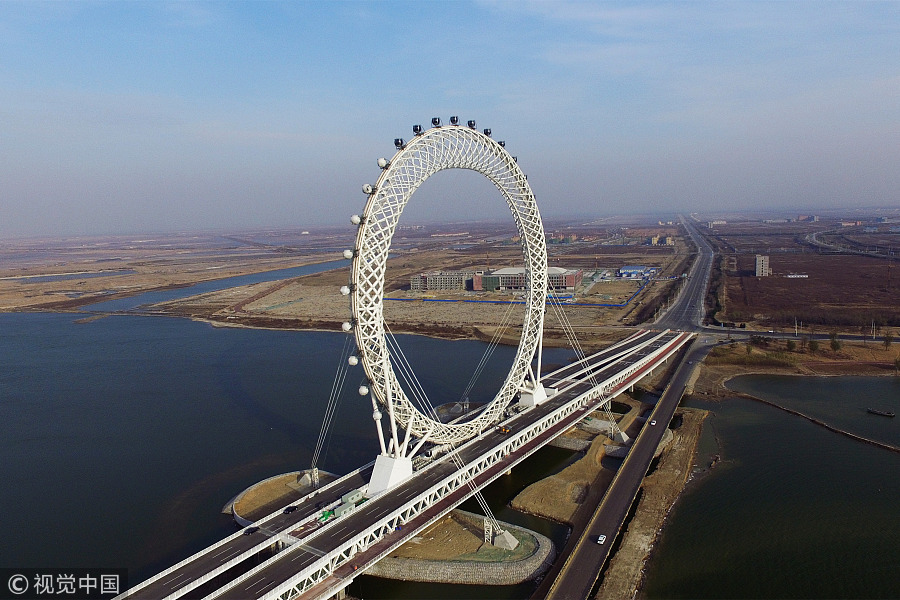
[(715, 391)]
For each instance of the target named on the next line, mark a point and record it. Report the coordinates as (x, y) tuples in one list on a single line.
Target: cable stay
[(560, 313), (337, 386), (419, 397), (488, 352)]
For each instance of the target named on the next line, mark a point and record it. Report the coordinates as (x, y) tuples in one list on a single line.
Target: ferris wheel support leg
[(376, 416), (535, 394), (388, 472), (421, 443)]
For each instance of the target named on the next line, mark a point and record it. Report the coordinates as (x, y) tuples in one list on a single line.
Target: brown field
[(763, 238), (839, 290), (314, 301), (844, 292), (81, 271), (91, 269)]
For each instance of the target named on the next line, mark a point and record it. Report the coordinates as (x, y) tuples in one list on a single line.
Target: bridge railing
[(307, 578), (196, 582)]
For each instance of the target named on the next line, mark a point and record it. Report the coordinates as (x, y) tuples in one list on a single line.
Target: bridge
[(426, 466)]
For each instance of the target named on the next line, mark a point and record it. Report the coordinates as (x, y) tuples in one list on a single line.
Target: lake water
[(793, 510), (123, 437)]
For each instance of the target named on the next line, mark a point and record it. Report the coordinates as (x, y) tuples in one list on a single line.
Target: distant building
[(513, 278), (635, 271), (762, 266), (440, 280), (712, 224)]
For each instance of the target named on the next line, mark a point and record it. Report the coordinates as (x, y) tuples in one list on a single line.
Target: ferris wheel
[(453, 146)]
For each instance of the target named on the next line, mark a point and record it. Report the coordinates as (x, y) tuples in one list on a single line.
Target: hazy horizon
[(180, 116)]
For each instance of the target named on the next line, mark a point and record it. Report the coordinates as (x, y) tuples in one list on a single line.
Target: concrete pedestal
[(387, 473), (535, 396)]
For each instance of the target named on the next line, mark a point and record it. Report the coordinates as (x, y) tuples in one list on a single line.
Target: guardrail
[(323, 568)]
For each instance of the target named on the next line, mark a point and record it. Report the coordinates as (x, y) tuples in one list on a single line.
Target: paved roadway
[(302, 525), (291, 561), (575, 577), (686, 313), (186, 576)]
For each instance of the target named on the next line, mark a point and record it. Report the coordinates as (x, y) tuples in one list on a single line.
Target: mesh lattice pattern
[(436, 149)]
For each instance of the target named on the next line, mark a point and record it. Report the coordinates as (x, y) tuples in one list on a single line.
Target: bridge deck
[(310, 546)]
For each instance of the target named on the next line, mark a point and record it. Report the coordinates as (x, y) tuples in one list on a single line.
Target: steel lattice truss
[(436, 149)]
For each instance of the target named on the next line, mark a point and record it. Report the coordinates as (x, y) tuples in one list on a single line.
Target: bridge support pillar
[(388, 472)]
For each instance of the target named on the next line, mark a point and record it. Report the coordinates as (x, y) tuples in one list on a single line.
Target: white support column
[(376, 416)]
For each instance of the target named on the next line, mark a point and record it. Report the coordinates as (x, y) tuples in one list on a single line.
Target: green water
[(793, 510)]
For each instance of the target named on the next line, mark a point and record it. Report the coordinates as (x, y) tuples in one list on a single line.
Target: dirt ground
[(77, 272), (314, 302), (572, 494), (561, 496), (84, 282), (839, 291), (454, 537)]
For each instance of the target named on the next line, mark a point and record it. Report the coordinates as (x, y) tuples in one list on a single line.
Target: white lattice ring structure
[(433, 150)]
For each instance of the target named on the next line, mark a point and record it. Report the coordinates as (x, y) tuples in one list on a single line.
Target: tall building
[(762, 266)]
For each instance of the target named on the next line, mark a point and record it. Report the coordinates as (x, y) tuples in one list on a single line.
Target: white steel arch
[(433, 150)]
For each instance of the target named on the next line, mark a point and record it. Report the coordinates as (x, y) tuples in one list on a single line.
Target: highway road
[(576, 576), (296, 558), (189, 573), (308, 541), (686, 313)]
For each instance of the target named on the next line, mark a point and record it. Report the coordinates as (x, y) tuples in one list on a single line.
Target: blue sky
[(137, 117)]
